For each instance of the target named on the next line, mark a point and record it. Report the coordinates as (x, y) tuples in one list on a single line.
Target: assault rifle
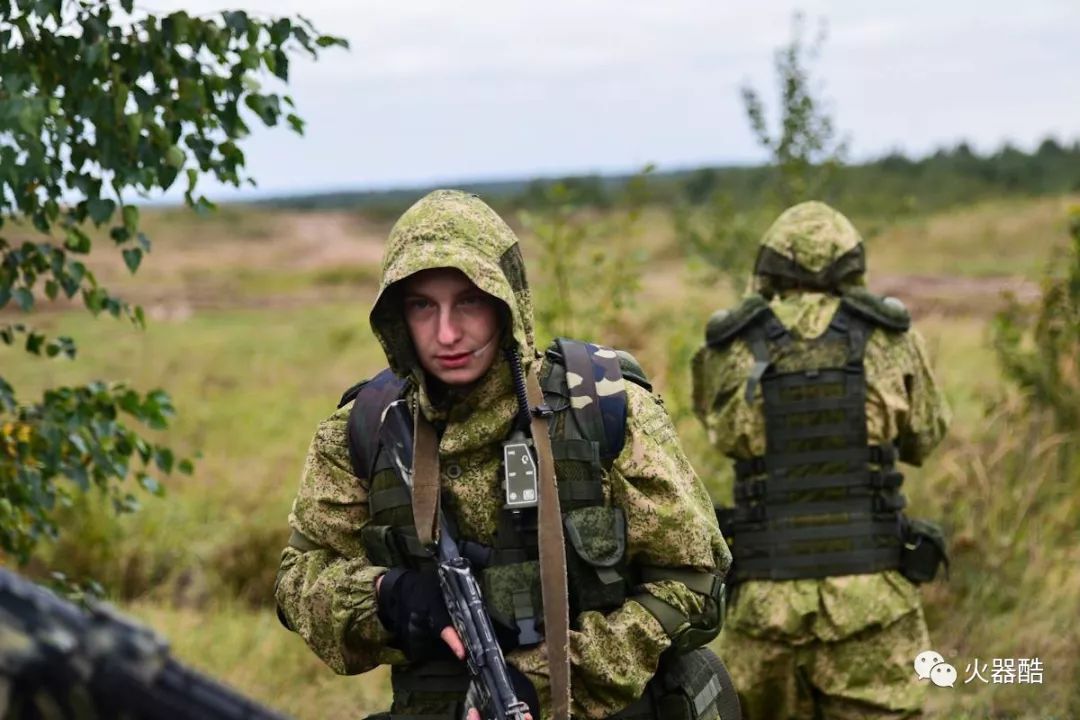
[(56, 656), (461, 592)]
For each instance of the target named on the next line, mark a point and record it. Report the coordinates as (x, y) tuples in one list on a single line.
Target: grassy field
[(259, 322)]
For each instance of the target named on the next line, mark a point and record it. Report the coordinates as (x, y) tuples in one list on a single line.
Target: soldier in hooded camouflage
[(814, 388), (353, 581)]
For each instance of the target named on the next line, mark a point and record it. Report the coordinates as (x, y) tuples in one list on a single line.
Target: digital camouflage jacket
[(327, 593)]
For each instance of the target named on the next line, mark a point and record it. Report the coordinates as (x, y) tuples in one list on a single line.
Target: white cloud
[(452, 90)]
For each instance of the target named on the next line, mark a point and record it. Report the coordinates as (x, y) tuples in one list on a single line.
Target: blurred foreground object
[(59, 661)]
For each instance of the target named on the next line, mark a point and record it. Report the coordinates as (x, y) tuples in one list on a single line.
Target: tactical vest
[(822, 500), (582, 385)]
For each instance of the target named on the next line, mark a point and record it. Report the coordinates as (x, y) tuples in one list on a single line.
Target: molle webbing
[(821, 501)]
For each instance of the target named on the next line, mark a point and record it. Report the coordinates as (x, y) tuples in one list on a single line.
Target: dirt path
[(952, 295)]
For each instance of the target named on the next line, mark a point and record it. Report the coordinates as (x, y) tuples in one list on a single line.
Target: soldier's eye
[(417, 304), (472, 300)]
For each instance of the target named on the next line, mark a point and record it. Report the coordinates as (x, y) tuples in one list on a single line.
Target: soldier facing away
[(815, 388), (643, 551)]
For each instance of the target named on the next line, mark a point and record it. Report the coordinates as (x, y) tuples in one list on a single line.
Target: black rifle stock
[(461, 592), (51, 648)]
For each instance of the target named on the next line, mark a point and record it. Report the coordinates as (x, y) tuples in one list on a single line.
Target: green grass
[(1006, 237)]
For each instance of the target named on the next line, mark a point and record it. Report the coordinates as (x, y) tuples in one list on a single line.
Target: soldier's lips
[(451, 362)]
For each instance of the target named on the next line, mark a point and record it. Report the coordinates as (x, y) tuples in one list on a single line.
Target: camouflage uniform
[(327, 593), (841, 645)]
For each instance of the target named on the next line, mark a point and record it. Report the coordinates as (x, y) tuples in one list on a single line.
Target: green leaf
[(131, 218), (237, 21), (163, 458), (100, 209), (34, 341), (281, 65), (76, 240), (174, 157), (186, 467), (24, 298), (151, 485), (325, 41), (132, 258)]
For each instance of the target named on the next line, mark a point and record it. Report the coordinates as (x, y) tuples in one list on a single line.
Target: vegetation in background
[(804, 157), (1008, 497), (585, 272), (1047, 367), (891, 188), (804, 149), (101, 104)]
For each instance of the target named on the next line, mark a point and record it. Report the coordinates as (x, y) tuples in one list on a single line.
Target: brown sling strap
[(552, 561), (425, 491)]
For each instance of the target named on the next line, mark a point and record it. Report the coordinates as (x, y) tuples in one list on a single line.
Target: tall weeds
[(1009, 499)]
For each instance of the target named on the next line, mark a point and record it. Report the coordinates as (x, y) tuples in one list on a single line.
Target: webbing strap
[(864, 503), (390, 498), (580, 450), (703, 583), (668, 616), (780, 487), (849, 455), (553, 582), (770, 329), (302, 542), (425, 490), (748, 538), (792, 567), (817, 558), (589, 491)]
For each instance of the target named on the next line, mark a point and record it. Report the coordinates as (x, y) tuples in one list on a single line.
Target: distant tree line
[(891, 186)]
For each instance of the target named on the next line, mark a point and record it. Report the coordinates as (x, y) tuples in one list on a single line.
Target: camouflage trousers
[(868, 675)]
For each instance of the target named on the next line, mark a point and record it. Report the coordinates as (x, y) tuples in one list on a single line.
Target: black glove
[(411, 607)]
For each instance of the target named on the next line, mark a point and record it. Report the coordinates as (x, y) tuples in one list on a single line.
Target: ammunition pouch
[(923, 550), (595, 565), (514, 602)]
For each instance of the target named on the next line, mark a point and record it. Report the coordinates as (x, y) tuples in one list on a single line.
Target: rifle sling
[(425, 491), (553, 581)]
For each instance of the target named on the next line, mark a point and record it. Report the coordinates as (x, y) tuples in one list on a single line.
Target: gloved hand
[(411, 607), (523, 688)]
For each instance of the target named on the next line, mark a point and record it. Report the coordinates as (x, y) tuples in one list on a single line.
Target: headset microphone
[(480, 350)]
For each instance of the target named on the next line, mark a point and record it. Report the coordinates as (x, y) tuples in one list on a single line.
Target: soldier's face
[(454, 325)]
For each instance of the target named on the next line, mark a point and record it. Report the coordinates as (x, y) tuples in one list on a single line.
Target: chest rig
[(582, 384), (822, 500)]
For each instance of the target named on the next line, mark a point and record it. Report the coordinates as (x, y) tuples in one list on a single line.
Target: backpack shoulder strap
[(594, 384), (370, 399)]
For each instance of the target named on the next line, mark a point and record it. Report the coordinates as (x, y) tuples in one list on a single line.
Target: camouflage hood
[(449, 228), (810, 246)]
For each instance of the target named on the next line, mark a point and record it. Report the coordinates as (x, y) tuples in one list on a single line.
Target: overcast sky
[(437, 91)]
